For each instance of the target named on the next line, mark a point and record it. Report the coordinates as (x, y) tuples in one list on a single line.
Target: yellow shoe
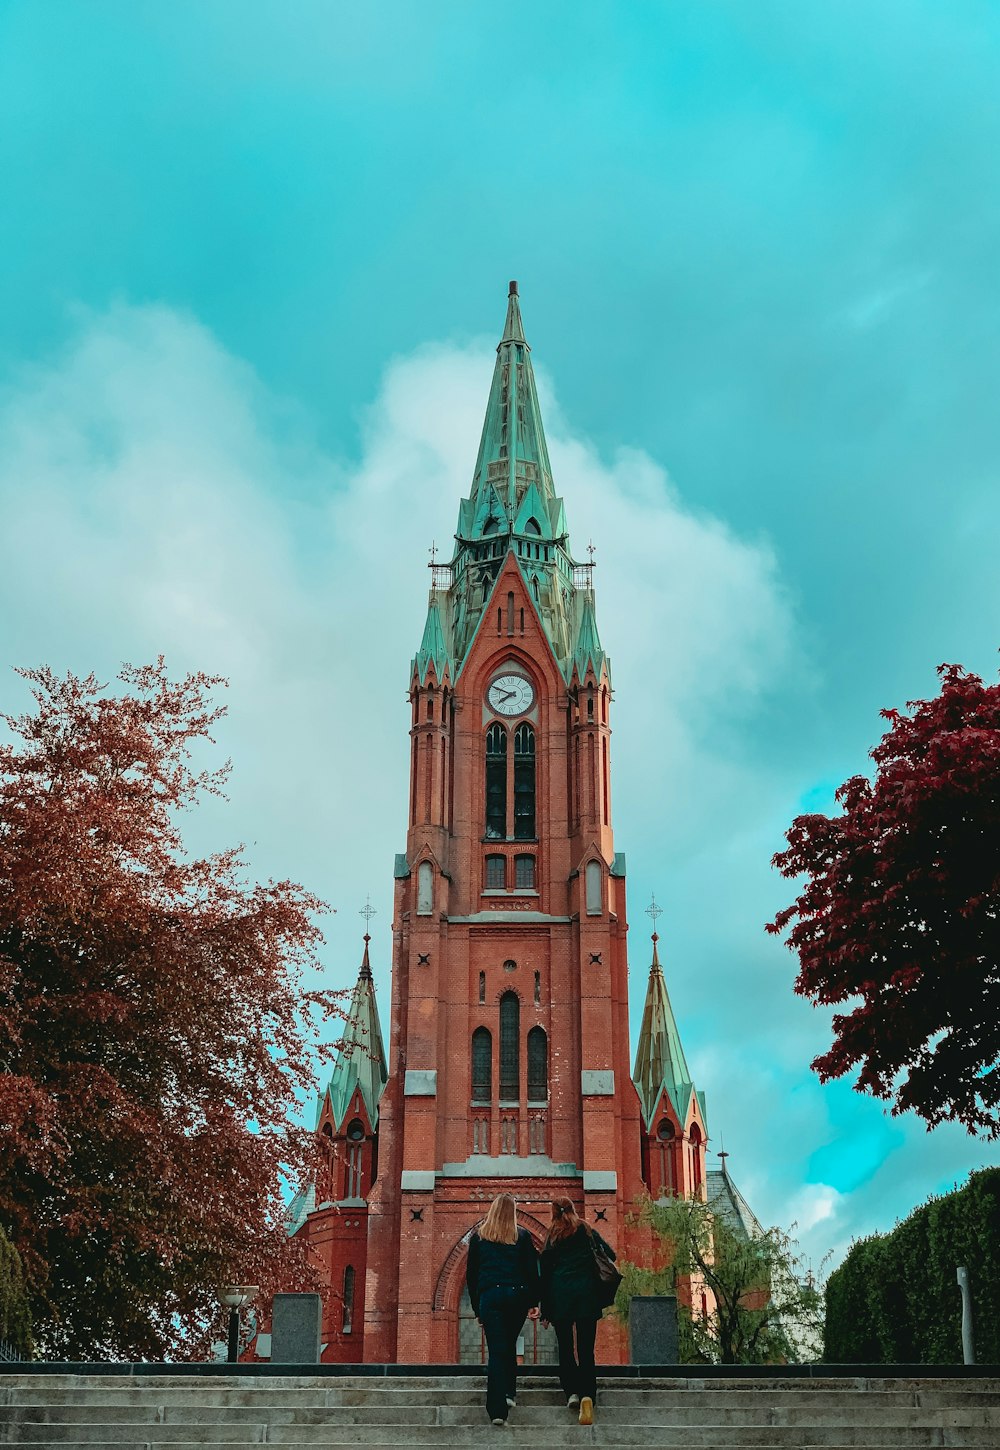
[(586, 1411)]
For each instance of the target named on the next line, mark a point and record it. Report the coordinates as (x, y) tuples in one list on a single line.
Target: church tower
[(509, 1043)]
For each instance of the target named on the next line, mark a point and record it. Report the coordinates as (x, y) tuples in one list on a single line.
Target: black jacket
[(505, 1266), (569, 1279)]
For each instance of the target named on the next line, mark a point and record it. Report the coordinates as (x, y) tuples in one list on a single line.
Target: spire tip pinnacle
[(512, 289)]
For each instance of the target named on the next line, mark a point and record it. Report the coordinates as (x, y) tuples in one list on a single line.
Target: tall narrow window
[(482, 986), (538, 989), (524, 873), (594, 903), (510, 612), (482, 1066), (496, 783), (496, 873), (348, 1298), (538, 1065), (524, 783), (695, 1139), (425, 888), (510, 1048)]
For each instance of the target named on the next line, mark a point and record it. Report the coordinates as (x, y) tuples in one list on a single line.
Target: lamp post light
[(236, 1297)]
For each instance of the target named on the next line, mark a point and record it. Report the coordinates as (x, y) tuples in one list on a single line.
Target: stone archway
[(452, 1298)]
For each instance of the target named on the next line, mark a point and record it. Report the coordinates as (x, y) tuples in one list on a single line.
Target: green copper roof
[(360, 1061), (659, 1060), (433, 649), (512, 507), (512, 449), (588, 642)]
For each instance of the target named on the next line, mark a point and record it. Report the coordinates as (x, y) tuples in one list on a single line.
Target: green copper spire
[(360, 1061), (588, 651), (512, 450), (433, 649), (659, 1060), (512, 507)]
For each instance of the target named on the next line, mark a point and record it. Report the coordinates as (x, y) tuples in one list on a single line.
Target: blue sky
[(253, 260)]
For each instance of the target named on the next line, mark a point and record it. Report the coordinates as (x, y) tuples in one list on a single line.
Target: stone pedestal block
[(295, 1327), (652, 1329)]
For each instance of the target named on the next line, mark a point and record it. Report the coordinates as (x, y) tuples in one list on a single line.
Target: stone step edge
[(459, 1371)]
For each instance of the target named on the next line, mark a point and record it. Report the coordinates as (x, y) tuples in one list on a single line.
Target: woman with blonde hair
[(502, 1275), (572, 1300)]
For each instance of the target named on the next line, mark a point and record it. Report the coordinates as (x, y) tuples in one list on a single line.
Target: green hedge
[(15, 1321), (895, 1298)]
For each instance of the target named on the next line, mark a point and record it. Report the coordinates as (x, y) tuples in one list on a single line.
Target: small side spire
[(659, 1060), (360, 1063), (433, 646)]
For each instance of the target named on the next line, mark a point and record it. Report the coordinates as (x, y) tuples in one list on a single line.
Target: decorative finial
[(433, 551), (512, 290), (367, 911), (592, 550), (654, 911)]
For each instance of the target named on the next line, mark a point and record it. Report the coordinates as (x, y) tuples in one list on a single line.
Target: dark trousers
[(501, 1313), (577, 1374)]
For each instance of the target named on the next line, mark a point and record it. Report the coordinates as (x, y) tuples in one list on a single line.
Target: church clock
[(510, 695)]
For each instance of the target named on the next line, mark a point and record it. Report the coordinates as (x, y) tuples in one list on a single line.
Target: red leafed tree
[(900, 912), (153, 1035)]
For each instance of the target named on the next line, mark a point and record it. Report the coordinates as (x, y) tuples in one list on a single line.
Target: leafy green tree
[(155, 1038), (760, 1306), (15, 1318)]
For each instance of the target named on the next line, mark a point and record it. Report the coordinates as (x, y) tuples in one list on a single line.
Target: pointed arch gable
[(451, 1276)]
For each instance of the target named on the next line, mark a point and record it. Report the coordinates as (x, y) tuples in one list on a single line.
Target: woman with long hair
[(570, 1301), (502, 1275)]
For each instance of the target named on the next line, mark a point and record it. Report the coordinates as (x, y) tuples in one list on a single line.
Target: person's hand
[(533, 1313), (545, 1323)]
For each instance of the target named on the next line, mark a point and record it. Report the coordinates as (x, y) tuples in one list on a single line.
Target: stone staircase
[(711, 1410)]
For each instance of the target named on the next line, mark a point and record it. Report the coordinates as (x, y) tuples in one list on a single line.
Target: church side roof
[(360, 1062), (659, 1060), (727, 1203)]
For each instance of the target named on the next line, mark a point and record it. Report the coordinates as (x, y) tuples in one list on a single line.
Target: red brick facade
[(508, 1063)]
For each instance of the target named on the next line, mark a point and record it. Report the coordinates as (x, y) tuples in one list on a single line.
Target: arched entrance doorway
[(451, 1297), (536, 1345)]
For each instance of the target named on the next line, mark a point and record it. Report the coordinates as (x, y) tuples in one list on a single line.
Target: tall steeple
[(659, 1060), (512, 508)]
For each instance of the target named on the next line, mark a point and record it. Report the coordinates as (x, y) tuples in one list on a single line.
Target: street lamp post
[(236, 1297)]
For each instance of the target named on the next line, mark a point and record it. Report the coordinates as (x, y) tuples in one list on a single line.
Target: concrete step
[(264, 1401), (306, 1411), (706, 1437), (652, 1413)]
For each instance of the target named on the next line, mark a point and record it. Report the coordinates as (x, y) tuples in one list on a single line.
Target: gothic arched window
[(524, 783), (695, 1138), (482, 1066), (510, 1048), (496, 783), (538, 1066), (594, 884), (425, 888)]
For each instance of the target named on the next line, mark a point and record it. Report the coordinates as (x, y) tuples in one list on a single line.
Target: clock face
[(510, 695)]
